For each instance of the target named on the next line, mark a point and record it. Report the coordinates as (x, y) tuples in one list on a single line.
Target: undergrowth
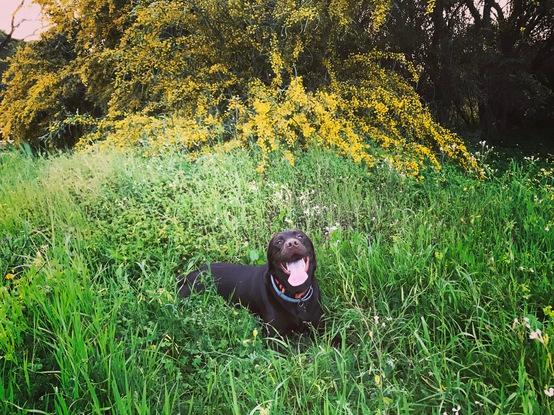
[(433, 291)]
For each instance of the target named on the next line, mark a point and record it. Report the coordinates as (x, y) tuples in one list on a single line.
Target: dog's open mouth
[(297, 271)]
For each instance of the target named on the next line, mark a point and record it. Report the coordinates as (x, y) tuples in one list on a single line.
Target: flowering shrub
[(171, 74), (351, 120)]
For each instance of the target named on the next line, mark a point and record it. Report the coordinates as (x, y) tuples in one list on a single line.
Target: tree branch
[(499, 11), (473, 10), (13, 26)]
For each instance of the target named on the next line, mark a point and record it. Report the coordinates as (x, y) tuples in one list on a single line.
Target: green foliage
[(433, 288)]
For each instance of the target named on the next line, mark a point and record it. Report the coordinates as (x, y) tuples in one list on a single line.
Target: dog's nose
[(292, 242)]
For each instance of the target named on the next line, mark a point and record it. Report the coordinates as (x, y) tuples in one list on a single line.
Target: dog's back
[(235, 282)]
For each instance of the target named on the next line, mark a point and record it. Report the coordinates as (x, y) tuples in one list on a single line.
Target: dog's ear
[(313, 259), (272, 239), (313, 262), (270, 246)]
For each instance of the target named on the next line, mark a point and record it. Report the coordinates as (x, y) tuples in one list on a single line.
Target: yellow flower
[(9, 276), (289, 157)]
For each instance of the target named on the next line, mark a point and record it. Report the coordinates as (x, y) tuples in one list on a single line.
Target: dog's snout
[(292, 243)]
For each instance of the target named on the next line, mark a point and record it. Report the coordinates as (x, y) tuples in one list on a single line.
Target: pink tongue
[(298, 274)]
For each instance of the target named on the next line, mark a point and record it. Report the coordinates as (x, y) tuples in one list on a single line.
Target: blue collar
[(281, 295)]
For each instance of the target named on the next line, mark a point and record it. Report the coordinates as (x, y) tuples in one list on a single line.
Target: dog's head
[(291, 260)]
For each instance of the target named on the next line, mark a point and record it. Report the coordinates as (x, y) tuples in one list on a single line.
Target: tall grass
[(431, 289)]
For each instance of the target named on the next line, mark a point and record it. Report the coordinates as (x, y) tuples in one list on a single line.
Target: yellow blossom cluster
[(353, 119), (153, 135)]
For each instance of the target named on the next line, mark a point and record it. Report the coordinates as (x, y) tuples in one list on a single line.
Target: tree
[(486, 64)]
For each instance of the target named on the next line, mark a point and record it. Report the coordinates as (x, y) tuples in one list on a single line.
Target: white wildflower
[(536, 335)]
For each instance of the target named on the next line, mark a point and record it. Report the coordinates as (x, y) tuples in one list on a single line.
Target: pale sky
[(29, 16)]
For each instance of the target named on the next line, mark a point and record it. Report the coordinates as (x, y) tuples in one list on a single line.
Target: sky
[(28, 15)]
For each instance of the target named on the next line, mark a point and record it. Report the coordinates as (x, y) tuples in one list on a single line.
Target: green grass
[(421, 285)]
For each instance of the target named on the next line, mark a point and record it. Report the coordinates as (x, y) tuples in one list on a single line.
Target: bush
[(167, 75)]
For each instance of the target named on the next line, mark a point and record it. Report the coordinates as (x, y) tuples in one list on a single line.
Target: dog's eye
[(278, 242), (299, 236)]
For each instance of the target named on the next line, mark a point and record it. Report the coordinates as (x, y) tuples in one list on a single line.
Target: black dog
[(284, 293)]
